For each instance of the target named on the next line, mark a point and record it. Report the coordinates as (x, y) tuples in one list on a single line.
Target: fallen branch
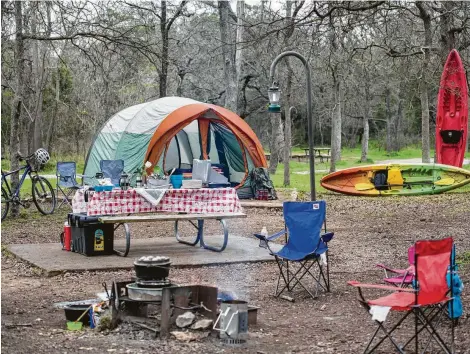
[(12, 325), (154, 330)]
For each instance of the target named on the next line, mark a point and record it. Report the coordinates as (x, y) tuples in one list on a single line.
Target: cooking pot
[(152, 267)]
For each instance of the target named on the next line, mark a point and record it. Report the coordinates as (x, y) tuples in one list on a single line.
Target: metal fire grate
[(231, 341)]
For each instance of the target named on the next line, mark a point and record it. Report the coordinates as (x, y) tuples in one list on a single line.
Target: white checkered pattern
[(191, 201)]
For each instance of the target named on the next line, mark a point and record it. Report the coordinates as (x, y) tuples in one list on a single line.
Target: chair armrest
[(326, 237), (277, 235), (409, 270), (377, 286), (397, 271), (270, 238)]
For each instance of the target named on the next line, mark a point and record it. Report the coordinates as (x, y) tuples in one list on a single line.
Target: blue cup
[(176, 181)]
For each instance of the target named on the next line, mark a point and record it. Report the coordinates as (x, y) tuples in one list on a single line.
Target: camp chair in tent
[(401, 277), (112, 169), (426, 301), (66, 173), (306, 247)]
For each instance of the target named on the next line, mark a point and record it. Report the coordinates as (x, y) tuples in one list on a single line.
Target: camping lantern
[(274, 95), (124, 181)]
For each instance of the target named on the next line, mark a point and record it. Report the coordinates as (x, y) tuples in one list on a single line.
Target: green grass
[(349, 157), (301, 182), (463, 258), (26, 186)]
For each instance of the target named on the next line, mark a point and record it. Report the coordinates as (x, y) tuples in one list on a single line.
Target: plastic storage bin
[(103, 188), (176, 181), (90, 237)]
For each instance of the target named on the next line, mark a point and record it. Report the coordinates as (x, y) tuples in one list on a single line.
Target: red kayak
[(452, 113)]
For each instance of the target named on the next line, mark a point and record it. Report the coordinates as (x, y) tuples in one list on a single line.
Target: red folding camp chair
[(426, 301), (401, 277)]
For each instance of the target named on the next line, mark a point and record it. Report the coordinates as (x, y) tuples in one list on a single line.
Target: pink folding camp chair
[(427, 300), (401, 277)]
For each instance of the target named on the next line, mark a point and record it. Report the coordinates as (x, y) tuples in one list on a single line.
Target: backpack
[(380, 180), (259, 180)]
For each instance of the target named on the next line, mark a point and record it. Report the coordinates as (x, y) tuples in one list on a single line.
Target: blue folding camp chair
[(304, 248), (112, 169), (66, 173)]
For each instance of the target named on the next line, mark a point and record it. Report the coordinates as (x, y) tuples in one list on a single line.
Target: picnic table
[(117, 207), (320, 152)]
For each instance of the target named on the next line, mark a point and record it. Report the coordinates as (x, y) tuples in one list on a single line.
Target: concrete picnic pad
[(51, 258)]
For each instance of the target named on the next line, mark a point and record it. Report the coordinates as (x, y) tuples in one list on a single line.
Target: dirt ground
[(367, 231)]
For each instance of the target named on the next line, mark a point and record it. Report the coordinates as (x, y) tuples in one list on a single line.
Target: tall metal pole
[(309, 113)]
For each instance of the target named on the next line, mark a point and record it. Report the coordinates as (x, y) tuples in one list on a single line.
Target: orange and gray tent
[(172, 131)]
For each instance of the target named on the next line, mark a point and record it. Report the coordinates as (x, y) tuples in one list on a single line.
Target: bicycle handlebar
[(22, 158)]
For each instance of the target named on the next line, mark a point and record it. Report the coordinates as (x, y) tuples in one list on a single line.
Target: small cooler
[(90, 237)]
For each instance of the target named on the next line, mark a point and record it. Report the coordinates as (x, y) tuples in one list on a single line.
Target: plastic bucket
[(176, 181)]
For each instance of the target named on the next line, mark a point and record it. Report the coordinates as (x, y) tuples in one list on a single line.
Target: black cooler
[(89, 236)]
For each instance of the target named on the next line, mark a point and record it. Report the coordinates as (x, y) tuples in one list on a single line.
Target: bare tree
[(17, 101), (231, 51), (423, 85)]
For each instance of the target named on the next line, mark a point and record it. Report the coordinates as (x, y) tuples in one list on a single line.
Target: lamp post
[(274, 96)]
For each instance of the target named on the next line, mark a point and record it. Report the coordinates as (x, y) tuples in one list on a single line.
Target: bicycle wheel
[(43, 195), (5, 204)]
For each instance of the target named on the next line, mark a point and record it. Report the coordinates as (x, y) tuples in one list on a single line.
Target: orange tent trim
[(183, 116)]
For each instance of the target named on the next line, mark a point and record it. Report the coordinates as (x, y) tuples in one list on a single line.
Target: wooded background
[(67, 67)]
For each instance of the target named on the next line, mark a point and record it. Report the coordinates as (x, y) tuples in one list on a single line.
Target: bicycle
[(41, 189)]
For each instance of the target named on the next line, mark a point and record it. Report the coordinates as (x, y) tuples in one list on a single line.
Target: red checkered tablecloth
[(191, 201)]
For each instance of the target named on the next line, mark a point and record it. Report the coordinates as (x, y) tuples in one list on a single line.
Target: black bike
[(41, 189)]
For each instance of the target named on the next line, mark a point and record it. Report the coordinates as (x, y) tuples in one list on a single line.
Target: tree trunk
[(447, 39), (275, 141), (164, 55), (179, 89), (398, 123), (336, 126), (320, 130), (50, 130), (365, 119), (389, 144), (228, 55), (239, 44), (423, 84), (287, 146), (426, 155), (17, 101), (289, 108), (365, 134), (38, 78), (288, 126)]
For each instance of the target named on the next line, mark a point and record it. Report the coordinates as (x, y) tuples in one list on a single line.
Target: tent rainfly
[(172, 131)]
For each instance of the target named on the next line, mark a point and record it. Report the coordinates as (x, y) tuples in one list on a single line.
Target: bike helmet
[(41, 156)]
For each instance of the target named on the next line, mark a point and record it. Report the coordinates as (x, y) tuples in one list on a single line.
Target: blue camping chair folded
[(66, 173), (306, 246)]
